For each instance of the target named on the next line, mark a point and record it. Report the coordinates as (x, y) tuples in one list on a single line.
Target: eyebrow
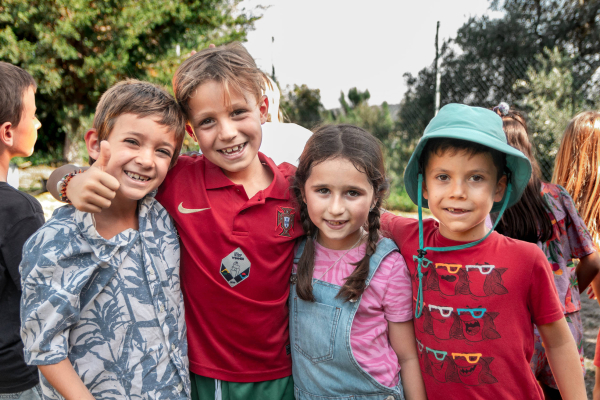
[(138, 134), (323, 185), (200, 115), (472, 171)]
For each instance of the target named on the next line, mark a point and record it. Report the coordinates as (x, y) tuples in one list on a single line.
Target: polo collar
[(214, 178)]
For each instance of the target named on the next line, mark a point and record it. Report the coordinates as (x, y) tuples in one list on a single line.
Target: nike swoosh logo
[(184, 210)]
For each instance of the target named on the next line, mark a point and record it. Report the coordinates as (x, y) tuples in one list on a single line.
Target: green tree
[(374, 119), (489, 59), (76, 49), (302, 105), (550, 104)]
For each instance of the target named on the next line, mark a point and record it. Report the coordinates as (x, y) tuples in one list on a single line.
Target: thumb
[(104, 156)]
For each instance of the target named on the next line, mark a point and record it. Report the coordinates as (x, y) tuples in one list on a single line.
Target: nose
[(37, 124), (145, 157), (458, 188), (227, 131), (336, 205)]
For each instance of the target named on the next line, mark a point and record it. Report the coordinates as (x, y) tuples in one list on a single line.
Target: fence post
[(438, 74)]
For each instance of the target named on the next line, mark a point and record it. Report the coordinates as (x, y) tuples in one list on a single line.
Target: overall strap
[(299, 251), (384, 248)]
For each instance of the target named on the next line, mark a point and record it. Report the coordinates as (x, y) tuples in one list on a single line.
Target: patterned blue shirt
[(113, 307)]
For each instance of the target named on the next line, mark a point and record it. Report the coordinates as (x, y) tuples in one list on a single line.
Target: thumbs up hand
[(104, 156), (94, 189)]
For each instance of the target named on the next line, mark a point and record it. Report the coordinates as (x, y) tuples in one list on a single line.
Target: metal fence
[(486, 85)]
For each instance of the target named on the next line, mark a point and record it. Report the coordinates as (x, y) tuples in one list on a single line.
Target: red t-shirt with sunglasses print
[(475, 335)]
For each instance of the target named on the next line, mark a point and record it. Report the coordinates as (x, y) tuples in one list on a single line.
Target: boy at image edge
[(477, 293)]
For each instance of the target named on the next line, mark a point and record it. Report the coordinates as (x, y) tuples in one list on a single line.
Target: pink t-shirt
[(387, 298)]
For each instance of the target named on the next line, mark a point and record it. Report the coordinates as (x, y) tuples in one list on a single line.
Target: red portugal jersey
[(236, 260)]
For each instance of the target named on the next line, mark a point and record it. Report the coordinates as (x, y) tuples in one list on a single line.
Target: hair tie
[(503, 108)]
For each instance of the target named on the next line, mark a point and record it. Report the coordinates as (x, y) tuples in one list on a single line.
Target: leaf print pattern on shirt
[(113, 307)]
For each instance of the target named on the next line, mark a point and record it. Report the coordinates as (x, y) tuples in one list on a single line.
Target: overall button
[(389, 398)]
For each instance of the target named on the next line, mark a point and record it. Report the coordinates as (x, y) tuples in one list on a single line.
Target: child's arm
[(402, 339), (65, 380), (564, 359), (587, 269), (90, 191)]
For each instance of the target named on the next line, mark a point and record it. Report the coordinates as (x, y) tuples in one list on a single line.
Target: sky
[(334, 45)]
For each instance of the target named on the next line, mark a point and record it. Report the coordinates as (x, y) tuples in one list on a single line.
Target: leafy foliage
[(302, 105), (76, 49), (493, 60), (550, 104)]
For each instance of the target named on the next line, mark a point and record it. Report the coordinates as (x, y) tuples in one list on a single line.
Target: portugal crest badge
[(235, 267), (285, 220)]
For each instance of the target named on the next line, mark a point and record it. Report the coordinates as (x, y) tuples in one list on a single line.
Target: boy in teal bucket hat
[(477, 293)]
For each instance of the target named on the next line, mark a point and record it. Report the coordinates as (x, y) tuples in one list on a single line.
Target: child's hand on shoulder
[(93, 190)]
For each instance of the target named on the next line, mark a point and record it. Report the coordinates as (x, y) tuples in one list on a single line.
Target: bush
[(398, 200)]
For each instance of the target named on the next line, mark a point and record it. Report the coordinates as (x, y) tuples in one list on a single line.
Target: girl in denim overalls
[(351, 324)]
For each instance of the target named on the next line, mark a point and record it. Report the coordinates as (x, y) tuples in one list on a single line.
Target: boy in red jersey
[(477, 293), (237, 225)]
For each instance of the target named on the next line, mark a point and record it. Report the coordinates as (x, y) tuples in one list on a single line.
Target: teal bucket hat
[(473, 124)]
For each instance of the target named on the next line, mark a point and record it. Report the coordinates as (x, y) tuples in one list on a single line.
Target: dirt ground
[(30, 179), (590, 312)]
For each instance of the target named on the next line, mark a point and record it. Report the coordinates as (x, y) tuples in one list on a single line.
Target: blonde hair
[(142, 99), (230, 65), (576, 167)]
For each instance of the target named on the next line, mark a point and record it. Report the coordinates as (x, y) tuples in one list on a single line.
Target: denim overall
[(323, 365)]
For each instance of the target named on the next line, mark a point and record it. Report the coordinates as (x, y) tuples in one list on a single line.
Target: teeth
[(135, 176), (230, 150)]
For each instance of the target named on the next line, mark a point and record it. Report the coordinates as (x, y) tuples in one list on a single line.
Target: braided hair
[(363, 150)]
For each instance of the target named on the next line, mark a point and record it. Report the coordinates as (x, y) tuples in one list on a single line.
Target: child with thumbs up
[(102, 311)]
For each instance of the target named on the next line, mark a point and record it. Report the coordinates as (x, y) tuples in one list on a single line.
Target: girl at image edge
[(351, 326), (577, 169)]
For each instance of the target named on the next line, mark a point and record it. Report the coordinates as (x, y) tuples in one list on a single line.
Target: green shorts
[(204, 388)]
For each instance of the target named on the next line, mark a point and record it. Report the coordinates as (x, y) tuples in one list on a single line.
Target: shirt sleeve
[(12, 245), (52, 283), (395, 227), (543, 301), (397, 300), (580, 240)]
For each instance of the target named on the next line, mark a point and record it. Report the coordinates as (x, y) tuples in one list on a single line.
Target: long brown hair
[(527, 220), (576, 167), (363, 150)]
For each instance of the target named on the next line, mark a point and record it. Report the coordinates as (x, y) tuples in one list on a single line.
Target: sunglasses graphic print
[(472, 369), (451, 279)]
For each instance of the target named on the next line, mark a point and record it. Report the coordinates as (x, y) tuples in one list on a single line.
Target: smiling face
[(140, 153), (338, 198), (25, 133), (461, 190), (229, 135)]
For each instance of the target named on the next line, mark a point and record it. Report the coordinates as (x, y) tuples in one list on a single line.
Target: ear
[(500, 189), (263, 108), (303, 195), (92, 143), (374, 202), (6, 135), (190, 131), (425, 194)]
